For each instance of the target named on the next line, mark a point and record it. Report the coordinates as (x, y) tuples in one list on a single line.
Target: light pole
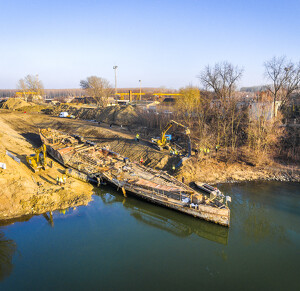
[(140, 81), (115, 68)]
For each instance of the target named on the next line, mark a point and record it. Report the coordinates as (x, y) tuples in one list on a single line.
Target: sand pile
[(21, 105), (118, 115), (107, 115), (126, 116), (15, 104), (112, 114)]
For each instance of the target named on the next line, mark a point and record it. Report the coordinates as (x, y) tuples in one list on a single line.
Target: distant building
[(263, 109)]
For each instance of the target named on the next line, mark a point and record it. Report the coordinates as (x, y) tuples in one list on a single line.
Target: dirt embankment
[(21, 105), (118, 115), (23, 192), (211, 169)]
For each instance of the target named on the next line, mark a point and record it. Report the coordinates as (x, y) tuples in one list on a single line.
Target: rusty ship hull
[(158, 187)]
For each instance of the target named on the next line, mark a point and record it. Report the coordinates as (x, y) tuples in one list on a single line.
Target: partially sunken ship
[(89, 162)]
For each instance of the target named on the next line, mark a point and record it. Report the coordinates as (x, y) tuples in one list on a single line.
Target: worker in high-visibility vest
[(137, 137)]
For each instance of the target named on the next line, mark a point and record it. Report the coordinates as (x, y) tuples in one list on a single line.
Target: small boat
[(100, 164), (214, 192)]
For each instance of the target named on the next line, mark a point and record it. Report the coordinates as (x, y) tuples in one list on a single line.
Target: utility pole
[(140, 81), (115, 68)]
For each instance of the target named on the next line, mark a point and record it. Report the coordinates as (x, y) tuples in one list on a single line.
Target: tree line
[(217, 116)]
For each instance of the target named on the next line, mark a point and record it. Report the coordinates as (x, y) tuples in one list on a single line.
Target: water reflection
[(14, 220), (168, 220), (7, 250), (258, 225), (49, 218)]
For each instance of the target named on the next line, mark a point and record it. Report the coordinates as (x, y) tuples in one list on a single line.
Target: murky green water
[(128, 244)]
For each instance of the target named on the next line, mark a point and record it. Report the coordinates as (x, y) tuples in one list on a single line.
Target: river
[(118, 243)]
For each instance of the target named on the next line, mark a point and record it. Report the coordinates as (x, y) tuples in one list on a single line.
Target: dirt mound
[(15, 104), (126, 116), (21, 105), (111, 114), (34, 108)]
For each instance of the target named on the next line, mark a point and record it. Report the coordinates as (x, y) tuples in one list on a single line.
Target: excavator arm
[(163, 140), (39, 159)]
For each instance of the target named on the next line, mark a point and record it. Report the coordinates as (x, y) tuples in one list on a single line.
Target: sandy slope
[(19, 192)]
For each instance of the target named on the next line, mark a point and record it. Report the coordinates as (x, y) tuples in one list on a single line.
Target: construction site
[(29, 192)]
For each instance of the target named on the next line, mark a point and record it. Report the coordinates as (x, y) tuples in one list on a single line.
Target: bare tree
[(98, 88), (285, 78), (227, 118), (31, 86), (222, 78)]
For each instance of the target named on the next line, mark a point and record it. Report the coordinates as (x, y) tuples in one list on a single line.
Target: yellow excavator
[(38, 160), (164, 141)]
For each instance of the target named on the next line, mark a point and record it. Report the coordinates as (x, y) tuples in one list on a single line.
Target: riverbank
[(23, 192), (214, 171)]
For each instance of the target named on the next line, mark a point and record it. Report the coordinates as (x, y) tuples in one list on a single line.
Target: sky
[(162, 43)]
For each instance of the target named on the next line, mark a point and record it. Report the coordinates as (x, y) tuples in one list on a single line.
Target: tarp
[(3, 166), (14, 157)]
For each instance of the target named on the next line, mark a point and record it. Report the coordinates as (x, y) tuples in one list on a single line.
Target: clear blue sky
[(163, 43)]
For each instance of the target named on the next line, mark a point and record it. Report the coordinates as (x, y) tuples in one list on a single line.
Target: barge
[(100, 164)]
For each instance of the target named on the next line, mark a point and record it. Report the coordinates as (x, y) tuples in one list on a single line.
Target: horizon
[(162, 43)]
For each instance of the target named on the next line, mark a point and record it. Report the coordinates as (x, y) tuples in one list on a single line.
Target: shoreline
[(20, 194), (27, 216)]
